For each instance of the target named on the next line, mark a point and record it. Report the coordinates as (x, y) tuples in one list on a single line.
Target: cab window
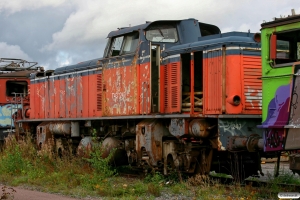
[(285, 47), (16, 87), (162, 33), (124, 44)]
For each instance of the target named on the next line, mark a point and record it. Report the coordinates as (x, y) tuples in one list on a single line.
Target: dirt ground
[(26, 194)]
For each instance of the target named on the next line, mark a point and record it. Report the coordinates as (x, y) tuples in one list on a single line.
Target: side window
[(116, 46), (124, 44), (285, 47), (131, 43), (19, 87)]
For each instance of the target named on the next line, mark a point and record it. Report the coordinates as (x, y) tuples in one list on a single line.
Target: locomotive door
[(155, 64)]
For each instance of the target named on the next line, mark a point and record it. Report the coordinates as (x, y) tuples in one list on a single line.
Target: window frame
[(293, 51), (21, 82), (161, 28), (110, 51)]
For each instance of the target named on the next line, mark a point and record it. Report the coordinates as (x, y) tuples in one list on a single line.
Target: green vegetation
[(23, 165)]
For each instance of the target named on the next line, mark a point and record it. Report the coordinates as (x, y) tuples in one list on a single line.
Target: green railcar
[(281, 85)]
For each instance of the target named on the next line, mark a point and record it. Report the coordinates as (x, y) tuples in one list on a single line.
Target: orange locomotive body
[(166, 93)]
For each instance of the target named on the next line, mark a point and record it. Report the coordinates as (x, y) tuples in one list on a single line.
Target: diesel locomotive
[(170, 94)]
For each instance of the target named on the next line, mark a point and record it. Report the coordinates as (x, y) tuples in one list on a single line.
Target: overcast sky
[(60, 32)]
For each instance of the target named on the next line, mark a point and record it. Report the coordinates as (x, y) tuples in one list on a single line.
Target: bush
[(13, 161)]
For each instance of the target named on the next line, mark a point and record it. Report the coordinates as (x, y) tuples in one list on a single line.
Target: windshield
[(162, 34)]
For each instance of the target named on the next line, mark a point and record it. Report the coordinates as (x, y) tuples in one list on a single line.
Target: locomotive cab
[(14, 92), (136, 52)]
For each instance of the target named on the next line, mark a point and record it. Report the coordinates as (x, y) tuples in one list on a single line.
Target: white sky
[(60, 32)]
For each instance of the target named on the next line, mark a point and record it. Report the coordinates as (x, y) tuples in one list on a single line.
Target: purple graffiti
[(277, 118), (278, 108)]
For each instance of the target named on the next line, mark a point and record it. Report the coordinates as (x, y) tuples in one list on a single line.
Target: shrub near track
[(21, 164)]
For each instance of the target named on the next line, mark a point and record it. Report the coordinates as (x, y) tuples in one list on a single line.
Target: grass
[(23, 165)]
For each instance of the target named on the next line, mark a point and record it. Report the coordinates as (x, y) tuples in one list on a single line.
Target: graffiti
[(231, 126), (253, 96), (6, 112), (294, 102), (278, 107), (274, 139)]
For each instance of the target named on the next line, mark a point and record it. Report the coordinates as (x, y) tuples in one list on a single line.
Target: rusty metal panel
[(43, 134), (62, 95), (38, 99), (293, 133), (149, 135), (57, 94), (69, 94), (79, 95), (252, 83), (42, 90), (85, 95), (60, 128), (213, 82), (32, 94), (73, 99), (144, 89), (121, 96), (179, 127), (92, 94), (293, 139), (294, 160), (75, 132), (46, 98), (51, 86)]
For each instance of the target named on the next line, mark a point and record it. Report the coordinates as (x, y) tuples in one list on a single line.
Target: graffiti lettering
[(294, 102), (231, 126)]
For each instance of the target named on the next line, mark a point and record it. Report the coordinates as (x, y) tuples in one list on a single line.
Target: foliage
[(23, 164), (101, 165)]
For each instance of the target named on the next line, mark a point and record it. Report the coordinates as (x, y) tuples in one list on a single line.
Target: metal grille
[(252, 83), (99, 92), (174, 87), (166, 95)]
